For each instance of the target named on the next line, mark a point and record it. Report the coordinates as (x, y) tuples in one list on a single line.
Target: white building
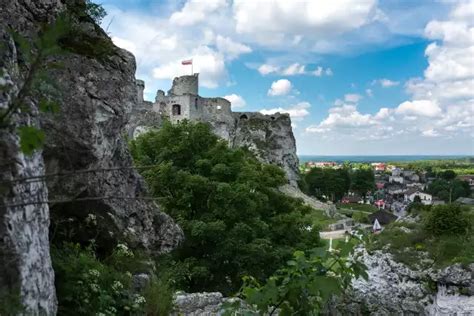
[(396, 179), (426, 199)]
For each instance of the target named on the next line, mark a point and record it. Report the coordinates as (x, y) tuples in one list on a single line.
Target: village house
[(420, 186), (397, 179), (396, 172), (426, 198), (469, 179), (393, 189)]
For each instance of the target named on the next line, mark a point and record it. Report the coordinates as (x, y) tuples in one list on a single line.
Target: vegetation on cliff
[(441, 236), (235, 221)]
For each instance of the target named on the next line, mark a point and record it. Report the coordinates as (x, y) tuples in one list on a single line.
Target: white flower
[(117, 286), (91, 219), (94, 273), (139, 299)]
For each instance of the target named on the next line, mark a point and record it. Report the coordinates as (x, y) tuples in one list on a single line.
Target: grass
[(320, 219), (357, 207), (411, 245)]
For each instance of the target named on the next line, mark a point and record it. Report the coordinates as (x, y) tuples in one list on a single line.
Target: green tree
[(362, 181), (450, 219), (235, 220), (332, 183)]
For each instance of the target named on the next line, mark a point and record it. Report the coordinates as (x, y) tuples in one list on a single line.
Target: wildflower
[(94, 287), (94, 273), (117, 286), (123, 250), (139, 300)]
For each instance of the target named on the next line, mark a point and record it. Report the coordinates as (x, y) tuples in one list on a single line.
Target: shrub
[(87, 286), (450, 219)]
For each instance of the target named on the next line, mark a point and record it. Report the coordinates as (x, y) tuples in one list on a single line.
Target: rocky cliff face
[(271, 138), (26, 274), (395, 289), (97, 85)]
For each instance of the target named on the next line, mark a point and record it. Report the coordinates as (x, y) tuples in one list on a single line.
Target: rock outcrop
[(395, 289), (99, 92), (97, 84), (271, 138), (26, 274)]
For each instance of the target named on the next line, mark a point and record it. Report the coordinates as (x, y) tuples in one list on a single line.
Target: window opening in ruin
[(243, 117), (196, 103), (219, 107), (176, 109)]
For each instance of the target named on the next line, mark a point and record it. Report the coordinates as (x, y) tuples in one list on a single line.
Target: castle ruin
[(270, 137)]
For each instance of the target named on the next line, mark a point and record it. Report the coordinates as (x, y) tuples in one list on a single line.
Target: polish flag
[(187, 62)]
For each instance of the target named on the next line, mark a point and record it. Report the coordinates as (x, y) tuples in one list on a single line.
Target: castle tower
[(185, 85)]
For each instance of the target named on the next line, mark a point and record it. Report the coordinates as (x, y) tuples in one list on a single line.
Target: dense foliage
[(305, 285), (328, 182), (333, 184), (449, 190), (87, 286), (235, 220), (450, 219)]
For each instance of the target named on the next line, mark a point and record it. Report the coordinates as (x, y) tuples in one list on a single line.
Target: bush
[(450, 219), (87, 286), (234, 218)]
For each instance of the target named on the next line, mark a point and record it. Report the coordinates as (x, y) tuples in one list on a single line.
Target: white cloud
[(280, 87), (237, 102), (195, 11), (230, 48), (266, 69), (352, 97), (430, 133), (293, 70), (419, 108), (207, 62), (369, 92), (283, 21), (388, 83), (297, 111)]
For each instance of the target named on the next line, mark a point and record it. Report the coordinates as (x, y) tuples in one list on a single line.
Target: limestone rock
[(88, 133), (395, 289), (271, 138), (98, 93), (26, 273), (198, 304)]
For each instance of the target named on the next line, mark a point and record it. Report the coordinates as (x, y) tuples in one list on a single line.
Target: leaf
[(31, 139), (48, 106), (23, 45)]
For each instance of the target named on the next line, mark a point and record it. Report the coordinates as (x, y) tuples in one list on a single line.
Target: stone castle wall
[(270, 137), (185, 85)]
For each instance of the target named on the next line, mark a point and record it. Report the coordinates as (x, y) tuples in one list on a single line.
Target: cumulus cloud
[(352, 97), (293, 70), (280, 87), (231, 48), (237, 102), (285, 21), (195, 11), (419, 108), (297, 111)]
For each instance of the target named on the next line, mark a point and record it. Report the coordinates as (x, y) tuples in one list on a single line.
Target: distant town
[(384, 191)]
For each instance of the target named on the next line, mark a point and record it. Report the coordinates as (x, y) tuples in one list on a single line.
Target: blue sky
[(357, 76)]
